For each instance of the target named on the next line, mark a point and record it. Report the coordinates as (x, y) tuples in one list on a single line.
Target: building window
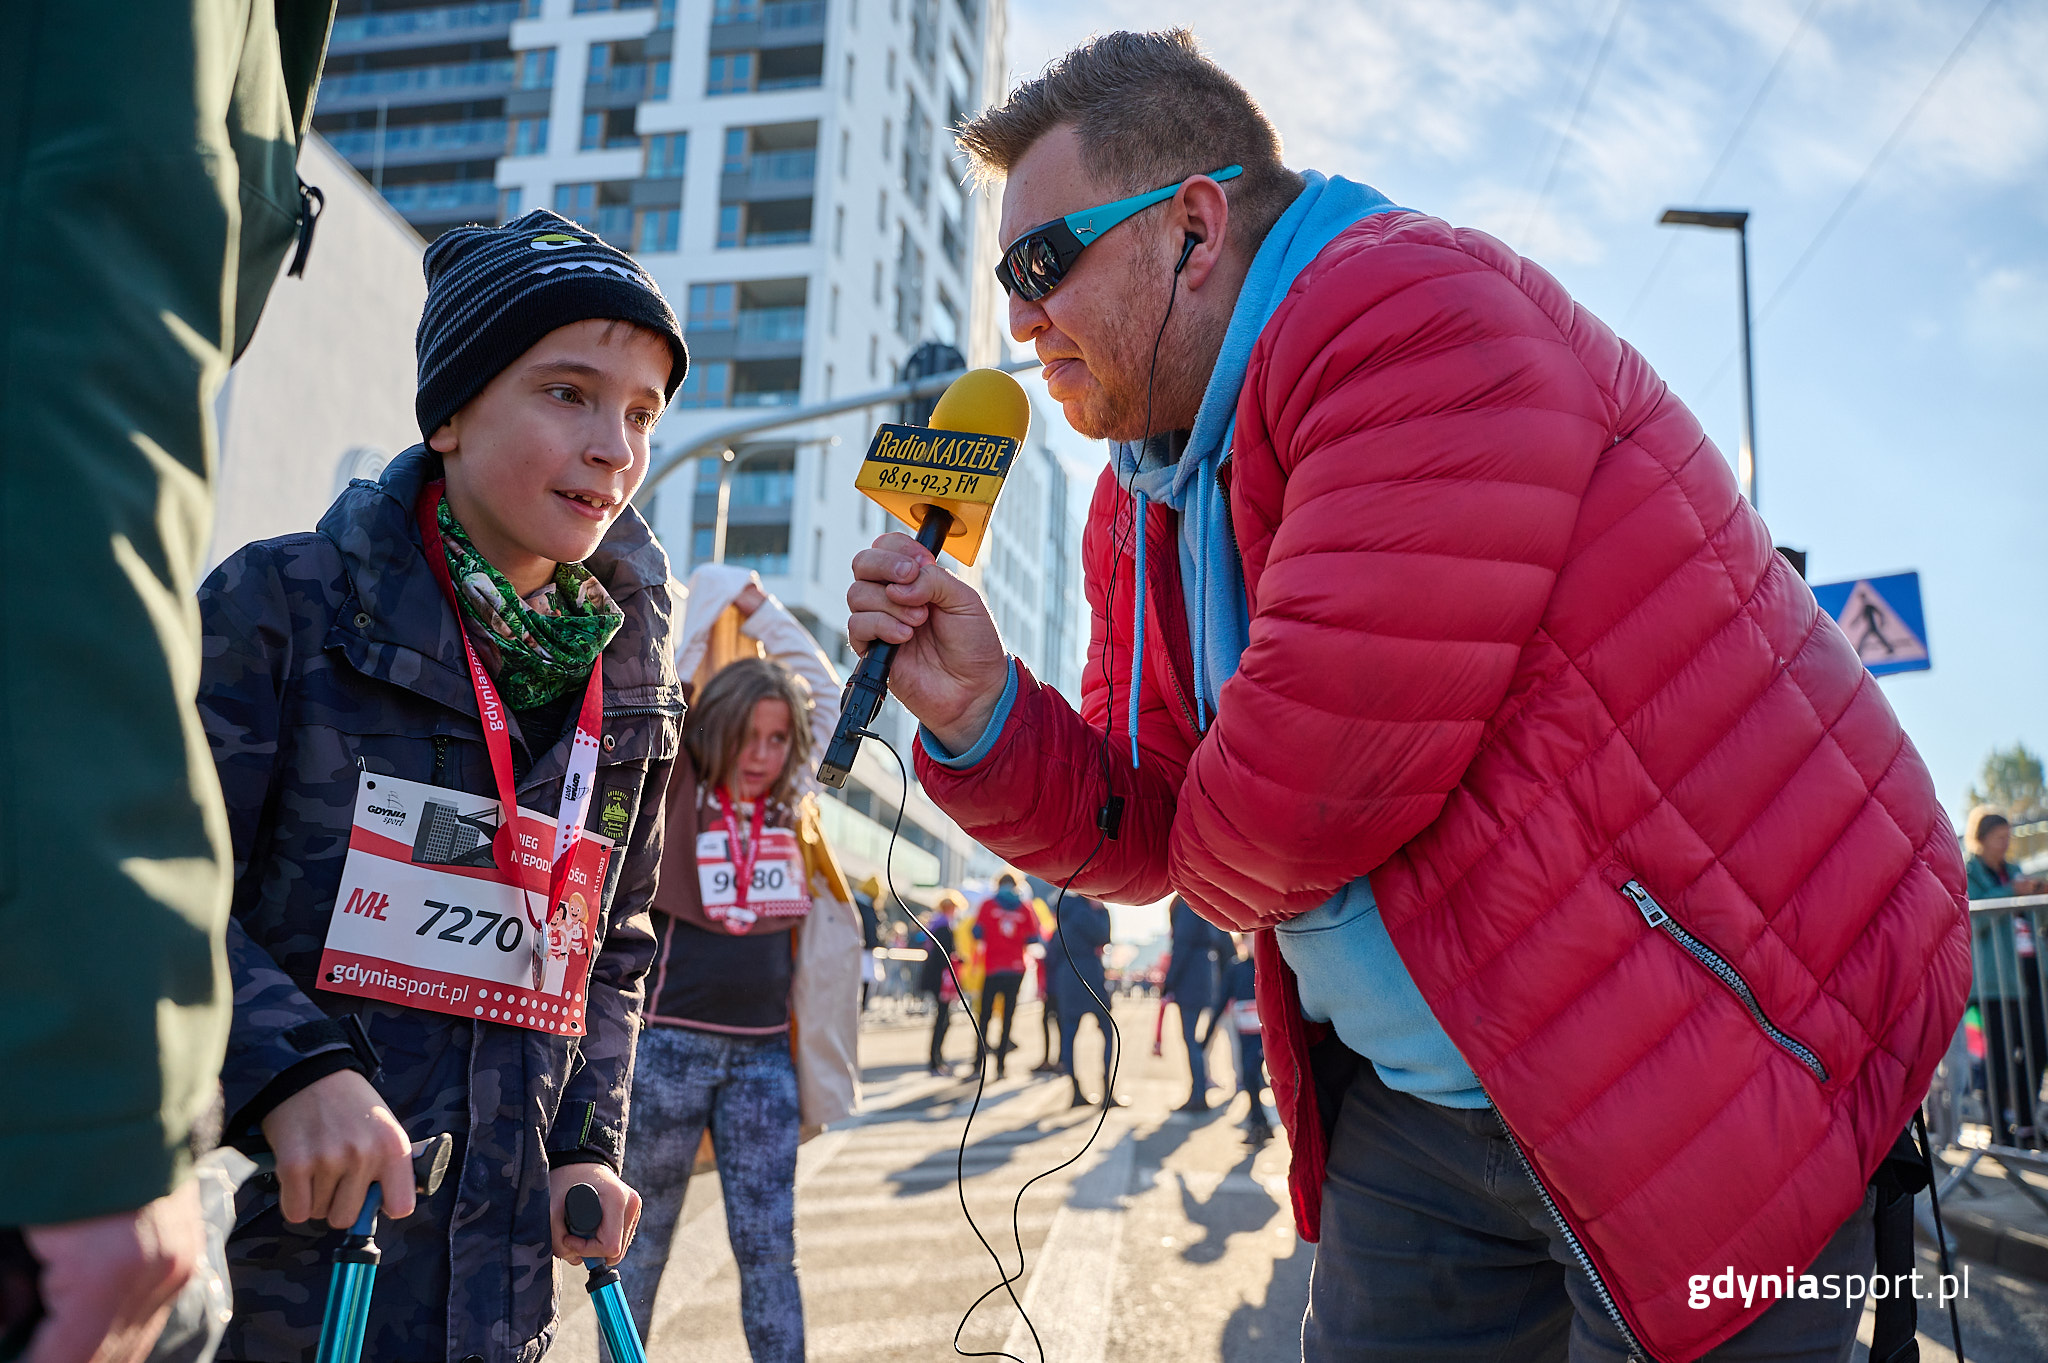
[(535, 69), (832, 314), (821, 453), (917, 153), (658, 229), (706, 385), (909, 287), (878, 283), (729, 73), (527, 137), (946, 320), (666, 155), (874, 349), (577, 202), (729, 217), (508, 204), (735, 151), (817, 556), (599, 69), (882, 210), (889, 71), (711, 307), (845, 151), (735, 11), (839, 230), (888, 138), (849, 78), (609, 130)]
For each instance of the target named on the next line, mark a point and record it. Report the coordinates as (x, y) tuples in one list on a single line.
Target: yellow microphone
[(942, 481)]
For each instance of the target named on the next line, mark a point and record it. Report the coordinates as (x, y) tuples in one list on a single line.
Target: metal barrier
[(1986, 1101)]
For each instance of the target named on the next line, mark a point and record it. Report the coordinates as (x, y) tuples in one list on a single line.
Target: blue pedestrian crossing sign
[(1882, 619)]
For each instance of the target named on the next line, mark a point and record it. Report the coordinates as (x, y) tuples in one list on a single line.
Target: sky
[(1900, 376)]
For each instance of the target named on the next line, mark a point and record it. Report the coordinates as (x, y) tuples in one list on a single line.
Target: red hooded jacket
[(1517, 644)]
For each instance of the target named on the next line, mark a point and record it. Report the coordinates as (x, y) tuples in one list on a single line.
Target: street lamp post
[(1737, 221)]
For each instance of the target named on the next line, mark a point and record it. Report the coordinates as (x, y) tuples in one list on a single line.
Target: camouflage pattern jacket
[(333, 654)]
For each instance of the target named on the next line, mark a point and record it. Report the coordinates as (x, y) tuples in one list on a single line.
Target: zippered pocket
[(1655, 915)]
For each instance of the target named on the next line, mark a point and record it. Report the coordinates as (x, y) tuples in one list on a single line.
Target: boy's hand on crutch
[(333, 1139), (621, 1213)]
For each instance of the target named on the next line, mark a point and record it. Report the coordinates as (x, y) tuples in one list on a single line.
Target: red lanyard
[(742, 862), (508, 849)]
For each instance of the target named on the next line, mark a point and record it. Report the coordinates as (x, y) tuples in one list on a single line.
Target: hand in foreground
[(333, 1139), (621, 1213), (750, 599), (108, 1283), (950, 666)]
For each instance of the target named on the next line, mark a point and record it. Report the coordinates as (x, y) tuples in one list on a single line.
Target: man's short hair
[(1150, 110)]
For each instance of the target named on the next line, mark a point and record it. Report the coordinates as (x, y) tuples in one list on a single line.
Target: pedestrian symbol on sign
[(1881, 618)]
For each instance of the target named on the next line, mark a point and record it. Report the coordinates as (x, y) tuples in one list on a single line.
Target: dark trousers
[(1071, 1013), (942, 1018), (2015, 1055), (1437, 1248), (1002, 984), (1198, 1063), (1049, 1029), (1251, 1066)]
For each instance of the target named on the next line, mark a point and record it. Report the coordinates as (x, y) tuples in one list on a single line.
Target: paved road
[(1168, 1240)]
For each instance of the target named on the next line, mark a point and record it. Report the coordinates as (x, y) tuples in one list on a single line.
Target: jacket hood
[(399, 602)]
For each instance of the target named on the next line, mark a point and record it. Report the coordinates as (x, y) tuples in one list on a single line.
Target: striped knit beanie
[(493, 292)]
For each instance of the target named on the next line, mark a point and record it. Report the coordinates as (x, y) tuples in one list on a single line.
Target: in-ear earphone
[(1186, 250)]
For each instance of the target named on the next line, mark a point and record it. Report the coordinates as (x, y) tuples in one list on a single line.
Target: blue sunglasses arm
[(1091, 223)]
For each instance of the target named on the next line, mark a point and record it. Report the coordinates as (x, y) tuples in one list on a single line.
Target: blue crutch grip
[(348, 1291), (583, 1216)]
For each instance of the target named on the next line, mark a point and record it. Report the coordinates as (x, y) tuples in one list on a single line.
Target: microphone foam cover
[(984, 402)]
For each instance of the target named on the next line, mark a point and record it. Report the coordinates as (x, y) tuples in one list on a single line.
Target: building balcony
[(407, 85), (423, 143), (783, 23), (626, 85), (768, 334), (751, 493), (771, 175), (771, 326), (358, 34), (443, 200)]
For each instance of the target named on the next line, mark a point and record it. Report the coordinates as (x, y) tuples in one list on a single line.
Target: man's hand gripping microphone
[(941, 480)]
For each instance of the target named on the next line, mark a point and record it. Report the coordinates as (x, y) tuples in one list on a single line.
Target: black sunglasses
[(1034, 264)]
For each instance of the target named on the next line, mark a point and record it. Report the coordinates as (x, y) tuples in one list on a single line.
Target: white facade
[(324, 391), (783, 169)]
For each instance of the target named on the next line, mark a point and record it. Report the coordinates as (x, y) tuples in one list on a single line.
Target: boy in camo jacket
[(332, 657)]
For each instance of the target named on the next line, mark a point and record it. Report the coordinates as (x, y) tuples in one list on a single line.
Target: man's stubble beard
[(1123, 372)]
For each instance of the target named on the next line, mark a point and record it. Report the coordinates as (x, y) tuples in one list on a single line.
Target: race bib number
[(425, 918), (775, 888)]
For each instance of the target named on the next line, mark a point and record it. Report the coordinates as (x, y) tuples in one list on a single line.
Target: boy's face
[(543, 460)]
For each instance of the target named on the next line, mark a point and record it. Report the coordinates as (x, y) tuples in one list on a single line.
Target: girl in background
[(754, 998)]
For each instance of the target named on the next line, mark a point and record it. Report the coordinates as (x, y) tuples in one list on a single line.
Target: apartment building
[(783, 168)]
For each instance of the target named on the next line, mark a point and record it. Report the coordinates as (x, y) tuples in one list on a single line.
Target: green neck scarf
[(546, 642)]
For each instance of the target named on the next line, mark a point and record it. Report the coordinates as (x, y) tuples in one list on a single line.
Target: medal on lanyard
[(527, 869), (742, 864)]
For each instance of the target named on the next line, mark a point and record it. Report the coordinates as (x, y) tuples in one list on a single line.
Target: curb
[(1991, 1242)]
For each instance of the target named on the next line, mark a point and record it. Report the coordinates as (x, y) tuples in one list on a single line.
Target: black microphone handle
[(868, 687)]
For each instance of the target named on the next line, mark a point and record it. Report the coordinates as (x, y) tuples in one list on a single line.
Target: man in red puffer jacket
[(1608, 927)]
